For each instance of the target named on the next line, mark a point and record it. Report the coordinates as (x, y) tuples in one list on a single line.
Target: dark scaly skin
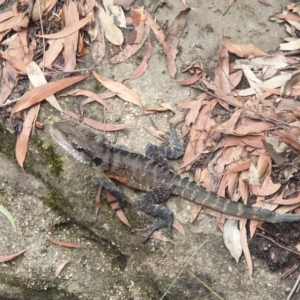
[(152, 176)]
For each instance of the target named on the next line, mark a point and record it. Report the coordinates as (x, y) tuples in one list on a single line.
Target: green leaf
[(9, 217)]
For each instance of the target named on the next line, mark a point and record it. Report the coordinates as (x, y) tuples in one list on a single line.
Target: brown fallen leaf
[(254, 128), (192, 114), (23, 137), (111, 31), (71, 19), (245, 247), (96, 124), (120, 213), (122, 91), (11, 22), (9, 78), (69, 30), (64, 244), (235, 78), (141, 69), (52, 52), (6, 15), (193, 79), (221, 80), (155, 132), (4, 258), (238, 166), (222, 95), (16, 63), (37, 78), (91, 96), (290, 17), (243, 50), (39, 93), (157, 235), (286, 88), (278, 159), (267, 188), (172, 40), (195, 212), (103, 96), (129, 49), (265, 2), (60, 267)]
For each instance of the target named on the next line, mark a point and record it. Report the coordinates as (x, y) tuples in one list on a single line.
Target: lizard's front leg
[(173, 150), (149, 204), (111, 187)]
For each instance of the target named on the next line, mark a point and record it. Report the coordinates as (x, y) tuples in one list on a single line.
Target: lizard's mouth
[(62, 141)]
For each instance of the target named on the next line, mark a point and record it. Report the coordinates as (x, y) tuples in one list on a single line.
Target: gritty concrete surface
[(113, 263)]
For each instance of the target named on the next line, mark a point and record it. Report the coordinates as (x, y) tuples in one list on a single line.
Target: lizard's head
[(69, 135)]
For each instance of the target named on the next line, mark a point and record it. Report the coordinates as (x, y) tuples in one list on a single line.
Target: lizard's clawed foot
[(158, 224)]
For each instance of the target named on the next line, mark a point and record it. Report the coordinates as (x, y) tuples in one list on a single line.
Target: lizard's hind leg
[(149, 204)]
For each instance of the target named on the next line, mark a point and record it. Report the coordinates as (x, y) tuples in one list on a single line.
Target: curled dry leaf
[(4, 258), (286, 89), (60, 267), (64, 244), (122, 91), (243, 50)]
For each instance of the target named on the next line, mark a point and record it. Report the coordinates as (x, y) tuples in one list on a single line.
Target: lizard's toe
[(158, 224)]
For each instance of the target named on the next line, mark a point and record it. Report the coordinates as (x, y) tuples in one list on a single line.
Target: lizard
[(151, 173)]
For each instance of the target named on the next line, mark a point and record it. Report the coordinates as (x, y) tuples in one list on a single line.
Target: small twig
[(285, 248), (219, 297), (293, 289), (9, 102), (290, 271), (182, 269)]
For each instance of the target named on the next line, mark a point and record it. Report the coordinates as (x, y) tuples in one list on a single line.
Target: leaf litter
[(243, 163)]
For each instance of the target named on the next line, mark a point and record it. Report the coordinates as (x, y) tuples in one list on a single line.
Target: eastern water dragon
[(152, 174)]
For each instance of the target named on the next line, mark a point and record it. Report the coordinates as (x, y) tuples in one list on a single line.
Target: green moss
[(55, 200), (52, 159), (7, 143), (3, 192)]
